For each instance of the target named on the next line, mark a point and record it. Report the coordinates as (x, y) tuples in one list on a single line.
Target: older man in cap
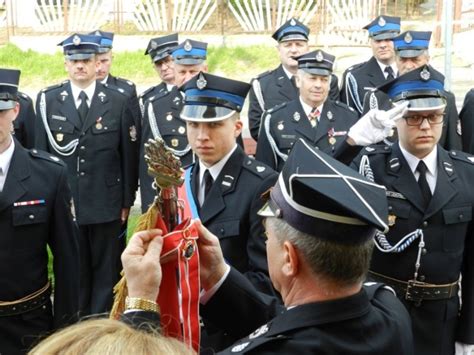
[(161, 117), (320, 221), (35, 212), (159, 49), (429, 245), (279, 85), (90, 126), (411, 49), (360, 78), (323, 123)]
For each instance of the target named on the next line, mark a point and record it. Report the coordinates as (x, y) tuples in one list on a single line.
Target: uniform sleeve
[(467, 123), (265, 153), (334, 90), (41, 140), (255, 114), (29, 123), (63, 242), (452, 138), (129, 155)]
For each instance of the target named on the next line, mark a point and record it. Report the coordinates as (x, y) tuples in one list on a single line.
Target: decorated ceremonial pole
[(179, 291)]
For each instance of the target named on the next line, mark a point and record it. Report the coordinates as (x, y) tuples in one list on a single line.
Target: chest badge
[(133, 133), (59, 137), (391, 220), (330, 116), (98, 123)]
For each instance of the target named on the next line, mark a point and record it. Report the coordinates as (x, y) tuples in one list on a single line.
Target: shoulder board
[(56, 86), (23, 95), (355, 66), (276, 108), (259, 76), (35, 153), (381, 148), (257, 168), (462, 156), (158, 96), (130, 83), (148, 90), (115, 88), (343, 105)]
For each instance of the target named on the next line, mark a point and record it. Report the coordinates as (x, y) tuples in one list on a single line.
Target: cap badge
[(382, 22), (408, 38), (296, 116), (181, 130), (293, 22), (76, 40), (174, 142), (425, 74), (154, 45), (187, 46), (330, 116), (97, 33), (319, 56), (201, 82)]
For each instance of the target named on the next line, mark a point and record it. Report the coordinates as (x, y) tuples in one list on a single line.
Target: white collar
[(216, 169), (104, 81), (169, 87), (6, 157), (307, 109), (288, 73), (383, 66), (76, 90), (431, 160)]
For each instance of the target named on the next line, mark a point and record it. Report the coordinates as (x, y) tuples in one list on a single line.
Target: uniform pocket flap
[(61, 126), (24, 215), (227, 229), (457, 214), (399, 209)]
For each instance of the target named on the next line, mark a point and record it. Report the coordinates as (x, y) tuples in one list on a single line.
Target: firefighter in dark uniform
[(159, 49), (323, 123), (89, 125), (162, 119), (25, 122), (360, 78), (277, 86), (125, 86), (467, 121), (411, 49), (35, 212), (320, 222), (429, 245)]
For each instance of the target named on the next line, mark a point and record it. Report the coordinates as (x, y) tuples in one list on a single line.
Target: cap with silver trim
[(412, 44), (422, 87), (314, 188), (160, 47), (211, 98), (9, 79), (79, 46), (291, 30), (190, 52), (317, 62), (383, 27)]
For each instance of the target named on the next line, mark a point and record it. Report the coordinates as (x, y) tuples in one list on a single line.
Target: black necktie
[(293, 81), (208, 180), (389, 71), (422, 183), (83, 109)]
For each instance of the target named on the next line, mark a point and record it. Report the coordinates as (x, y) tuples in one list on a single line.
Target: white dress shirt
[(383, 66), (431, 162), (307, 109), (88, 90), (5, 160)]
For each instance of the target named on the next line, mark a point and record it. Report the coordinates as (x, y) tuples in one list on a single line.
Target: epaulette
[(35, 153), (116, 88), (130, 83), (148, 90), (261, 75), (158, 96), (355, 66), (343, 105), (257, 168), (23, 95), (462, 156), (380, 148), (56, 86), (276, 108)]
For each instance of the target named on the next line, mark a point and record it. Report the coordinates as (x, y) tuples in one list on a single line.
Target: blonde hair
[(107, 336)]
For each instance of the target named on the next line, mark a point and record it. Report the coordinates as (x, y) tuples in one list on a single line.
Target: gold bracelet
[(141, 304)]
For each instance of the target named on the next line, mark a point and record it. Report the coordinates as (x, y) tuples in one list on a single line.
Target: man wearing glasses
[(429, 243)]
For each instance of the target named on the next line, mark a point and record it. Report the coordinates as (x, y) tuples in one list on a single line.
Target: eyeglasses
[(417, 120)]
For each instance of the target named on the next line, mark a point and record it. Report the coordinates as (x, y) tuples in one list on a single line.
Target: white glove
[(376, 125), (464, 349)]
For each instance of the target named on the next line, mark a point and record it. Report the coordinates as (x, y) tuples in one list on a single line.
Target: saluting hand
[(141, 264)]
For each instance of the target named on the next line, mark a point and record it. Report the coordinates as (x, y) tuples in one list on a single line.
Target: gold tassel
[(146, 221)]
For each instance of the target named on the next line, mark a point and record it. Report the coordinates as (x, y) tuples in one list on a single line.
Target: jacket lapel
[(98, 107), (18, 172), (374, 73), (303, 126), (68, 106), (224, 184), (285, 87), (324, 124)]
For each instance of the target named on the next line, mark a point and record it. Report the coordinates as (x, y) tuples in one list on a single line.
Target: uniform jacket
[(371, 322), (166, 108), (27, 229), (288, 122), (150, 92), (359, 79), (467, 122), (24, 124), (230, 210), (276, 89), (451, 133), (102, 171), (448, 235)]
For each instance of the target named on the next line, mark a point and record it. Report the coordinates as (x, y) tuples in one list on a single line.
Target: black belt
[(26, 304), (418, 291)]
